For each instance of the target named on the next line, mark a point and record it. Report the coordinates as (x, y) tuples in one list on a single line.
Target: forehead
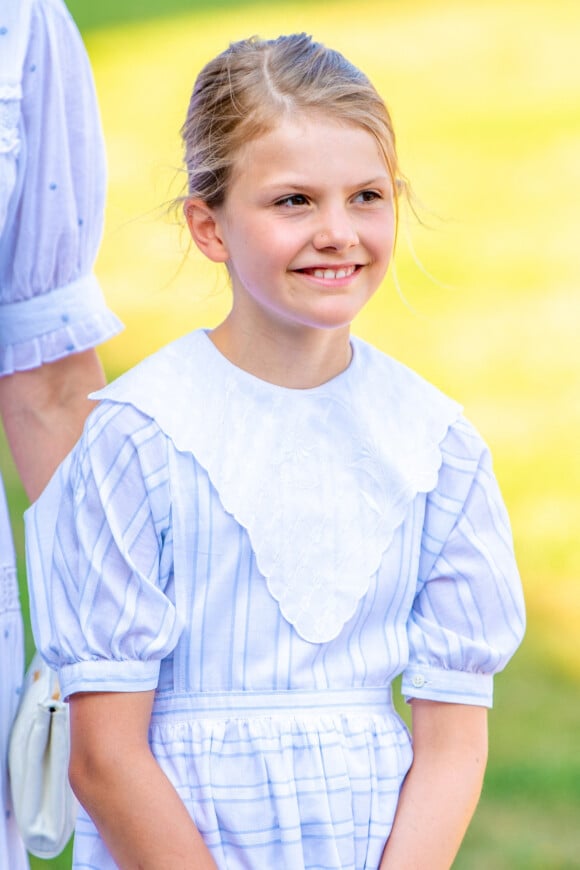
[(310, 143)]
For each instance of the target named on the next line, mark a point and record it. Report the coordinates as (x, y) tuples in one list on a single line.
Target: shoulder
[(138, 385), (120, 440), (465, 458), (48, 13), (422, 403), (55, 44), (394, 379), (138, 410), (422, 413), (155, 388), (467, 493), (403, 407), (45, 21), (463, 445), (120, 418)]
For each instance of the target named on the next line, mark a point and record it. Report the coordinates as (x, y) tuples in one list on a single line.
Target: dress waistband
[(244, 705)]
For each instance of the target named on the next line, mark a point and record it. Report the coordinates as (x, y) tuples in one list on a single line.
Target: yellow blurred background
[(483, 301)]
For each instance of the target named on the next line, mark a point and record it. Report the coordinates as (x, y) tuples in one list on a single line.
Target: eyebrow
[(285, 186), (376, 180)]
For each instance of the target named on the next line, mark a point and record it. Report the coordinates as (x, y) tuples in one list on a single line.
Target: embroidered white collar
[(319, 478)]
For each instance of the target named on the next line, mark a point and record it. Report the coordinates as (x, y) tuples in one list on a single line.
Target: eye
[(367, 196), (292, 200)]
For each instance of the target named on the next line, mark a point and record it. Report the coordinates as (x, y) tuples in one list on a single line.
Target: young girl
[(264, 524)]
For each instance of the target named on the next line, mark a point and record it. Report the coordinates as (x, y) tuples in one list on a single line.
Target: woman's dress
[(52, 189)]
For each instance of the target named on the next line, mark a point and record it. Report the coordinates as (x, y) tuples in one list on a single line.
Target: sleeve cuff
[(45, 328), (108, 676), (452, 687)]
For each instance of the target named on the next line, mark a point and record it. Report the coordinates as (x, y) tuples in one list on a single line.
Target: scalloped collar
[(319, 478)]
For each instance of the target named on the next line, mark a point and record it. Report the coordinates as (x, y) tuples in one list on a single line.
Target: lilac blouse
[(52, 189)]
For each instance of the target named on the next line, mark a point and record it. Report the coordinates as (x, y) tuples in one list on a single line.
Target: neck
[(297, 359)]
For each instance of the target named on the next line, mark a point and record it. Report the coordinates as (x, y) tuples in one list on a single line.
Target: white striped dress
[(269, 560)]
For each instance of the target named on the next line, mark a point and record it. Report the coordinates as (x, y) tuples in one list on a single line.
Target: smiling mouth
[(331, 274)]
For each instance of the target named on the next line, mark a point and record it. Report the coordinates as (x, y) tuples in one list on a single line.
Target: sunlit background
[(484, 301)]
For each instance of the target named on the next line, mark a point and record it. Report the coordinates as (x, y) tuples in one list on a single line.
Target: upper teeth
[(333, 273)]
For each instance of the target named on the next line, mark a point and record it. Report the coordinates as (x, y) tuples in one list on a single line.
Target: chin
[(338, 318)]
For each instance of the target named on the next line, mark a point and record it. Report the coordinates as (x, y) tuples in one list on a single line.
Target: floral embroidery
[(320, 479)]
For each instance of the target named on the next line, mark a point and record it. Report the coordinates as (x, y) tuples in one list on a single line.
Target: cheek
[(253, 268), (389, 234), (383, 241)]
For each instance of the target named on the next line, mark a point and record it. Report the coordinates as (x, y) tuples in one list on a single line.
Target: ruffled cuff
[(452, 687), (108, 676), (46, 328)]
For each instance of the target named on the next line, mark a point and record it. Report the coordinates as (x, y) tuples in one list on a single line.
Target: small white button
[(418, 681)]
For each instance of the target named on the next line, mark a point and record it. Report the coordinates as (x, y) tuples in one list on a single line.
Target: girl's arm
[(137, 811), (43, 411), (442, 787)]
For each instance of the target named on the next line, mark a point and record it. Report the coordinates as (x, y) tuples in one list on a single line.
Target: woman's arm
[(442, 788), (113, 773), (43, 411)]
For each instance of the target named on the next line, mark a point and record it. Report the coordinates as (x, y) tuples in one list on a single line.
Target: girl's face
[(308, 225)]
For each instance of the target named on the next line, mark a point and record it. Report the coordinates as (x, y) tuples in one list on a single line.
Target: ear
[(205, 229)]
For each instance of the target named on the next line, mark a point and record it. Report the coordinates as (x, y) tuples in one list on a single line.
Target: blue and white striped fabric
[(286, 750)]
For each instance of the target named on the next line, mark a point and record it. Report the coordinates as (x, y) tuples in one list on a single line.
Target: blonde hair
[(242, 93)]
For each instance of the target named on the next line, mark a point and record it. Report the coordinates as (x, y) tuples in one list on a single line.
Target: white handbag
[(38, 756)]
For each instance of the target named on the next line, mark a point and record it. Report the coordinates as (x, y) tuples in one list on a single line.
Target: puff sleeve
[(468, 615), (52, 189), (99, 558)]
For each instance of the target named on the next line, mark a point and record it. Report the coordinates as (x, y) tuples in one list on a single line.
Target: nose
[(335, 231)]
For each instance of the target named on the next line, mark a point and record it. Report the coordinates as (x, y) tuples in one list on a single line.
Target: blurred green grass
[(484, 98), (106, 13)]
